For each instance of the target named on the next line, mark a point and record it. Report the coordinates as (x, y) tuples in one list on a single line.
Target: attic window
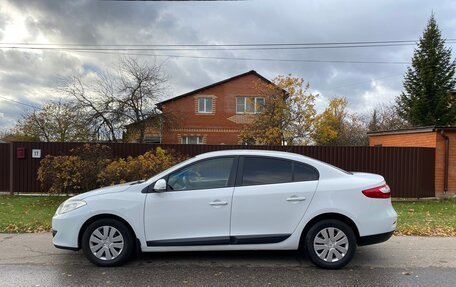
[(204, 105)]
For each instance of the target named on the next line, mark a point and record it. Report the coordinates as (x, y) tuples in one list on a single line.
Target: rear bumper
[(374, 239)]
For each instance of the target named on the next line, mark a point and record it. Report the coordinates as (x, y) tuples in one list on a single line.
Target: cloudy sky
[(31, 76)]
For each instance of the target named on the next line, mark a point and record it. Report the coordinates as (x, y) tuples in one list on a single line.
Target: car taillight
[(382, 191)]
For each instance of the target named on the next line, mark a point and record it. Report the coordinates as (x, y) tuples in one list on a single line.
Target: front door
[(195, 209)]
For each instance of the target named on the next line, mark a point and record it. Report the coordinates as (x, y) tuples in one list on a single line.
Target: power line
[(221, 45), (246, 59), (18, 102), (256, 59), (207, 48)]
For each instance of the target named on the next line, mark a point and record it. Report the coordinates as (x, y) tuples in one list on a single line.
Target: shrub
[(74, 173), (94, 159), (60, 174), (141, 167)]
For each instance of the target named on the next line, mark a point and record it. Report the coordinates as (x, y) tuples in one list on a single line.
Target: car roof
[(280, 154)]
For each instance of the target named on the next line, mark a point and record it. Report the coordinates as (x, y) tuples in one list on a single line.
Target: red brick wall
[(222, 126), (426, 139)]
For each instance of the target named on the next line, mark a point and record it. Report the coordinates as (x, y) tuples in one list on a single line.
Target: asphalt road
[(31, 260)]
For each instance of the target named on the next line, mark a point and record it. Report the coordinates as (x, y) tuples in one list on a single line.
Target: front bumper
[(66, 227)]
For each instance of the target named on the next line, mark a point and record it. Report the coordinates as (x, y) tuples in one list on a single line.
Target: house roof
[(150, 117), (252, 72), (413, 130)]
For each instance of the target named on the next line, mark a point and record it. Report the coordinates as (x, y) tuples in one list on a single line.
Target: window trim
[(197, 140), (205, 104), (240, 170), (231, 177), (245, 105)]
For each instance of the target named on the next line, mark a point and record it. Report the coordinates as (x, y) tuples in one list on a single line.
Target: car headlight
[(70, 205)]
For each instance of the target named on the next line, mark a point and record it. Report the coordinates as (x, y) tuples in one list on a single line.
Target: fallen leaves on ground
[(415, 230)]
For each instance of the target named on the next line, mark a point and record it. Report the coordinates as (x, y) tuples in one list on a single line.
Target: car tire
[(107, 242), (330, 244)]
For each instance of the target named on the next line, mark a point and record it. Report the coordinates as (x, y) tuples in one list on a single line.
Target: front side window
[(258, 170), (211, 173), (192, 140), (249, 105), (204, 105)]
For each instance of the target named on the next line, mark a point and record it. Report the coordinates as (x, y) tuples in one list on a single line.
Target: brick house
[(152, 134), (214, 114), (443, 139)]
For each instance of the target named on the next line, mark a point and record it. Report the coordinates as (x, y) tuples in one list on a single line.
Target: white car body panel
[(187, 214), (271, 208), (250, 210)]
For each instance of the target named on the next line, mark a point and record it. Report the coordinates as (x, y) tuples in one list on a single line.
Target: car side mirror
[(160, 185)]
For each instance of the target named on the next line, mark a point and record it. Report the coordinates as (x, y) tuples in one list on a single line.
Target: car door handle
[(218, 203), (296, 198)]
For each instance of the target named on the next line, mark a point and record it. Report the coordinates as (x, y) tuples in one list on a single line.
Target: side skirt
[(221, 240)]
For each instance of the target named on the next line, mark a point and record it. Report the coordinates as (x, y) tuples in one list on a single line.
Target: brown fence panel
[(408, 170), (25, 170), (4, 167)]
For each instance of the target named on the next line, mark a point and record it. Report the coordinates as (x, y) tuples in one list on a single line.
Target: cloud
[(32, 76)]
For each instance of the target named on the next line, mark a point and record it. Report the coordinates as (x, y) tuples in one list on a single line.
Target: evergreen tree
[(373, 123), (426, 98)]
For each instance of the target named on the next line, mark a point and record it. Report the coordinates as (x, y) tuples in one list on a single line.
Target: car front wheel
[(107, 242), (330, 244)]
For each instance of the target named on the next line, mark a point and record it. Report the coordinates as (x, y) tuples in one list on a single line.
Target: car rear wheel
[(330, 244), (107, 242)]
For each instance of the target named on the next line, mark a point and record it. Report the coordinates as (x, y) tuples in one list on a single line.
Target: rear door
[(270, 198)]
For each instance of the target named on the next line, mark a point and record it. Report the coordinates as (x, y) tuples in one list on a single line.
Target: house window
[(152, 139), (204, 105), (192, 140), (249, 105)]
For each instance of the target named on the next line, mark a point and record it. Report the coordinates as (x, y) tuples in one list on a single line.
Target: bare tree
[(55, 121), (385, 117), (99, 108), (115, 100), (141, 86)]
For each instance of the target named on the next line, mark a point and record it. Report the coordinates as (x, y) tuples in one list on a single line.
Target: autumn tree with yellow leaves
[(336, 126), (288, 114)]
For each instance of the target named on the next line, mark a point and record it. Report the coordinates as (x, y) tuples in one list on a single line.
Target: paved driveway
[(31, 260)]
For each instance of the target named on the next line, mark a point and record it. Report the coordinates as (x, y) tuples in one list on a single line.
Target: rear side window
[(264, 170), (258, 170), (304, 172)]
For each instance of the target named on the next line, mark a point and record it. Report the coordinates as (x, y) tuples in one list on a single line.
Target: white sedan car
[(232, 200)]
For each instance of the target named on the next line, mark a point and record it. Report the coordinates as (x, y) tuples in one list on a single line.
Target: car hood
[(106, 190)]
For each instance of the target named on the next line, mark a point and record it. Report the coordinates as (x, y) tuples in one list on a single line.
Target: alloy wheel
[(106, 243), (331, 244)]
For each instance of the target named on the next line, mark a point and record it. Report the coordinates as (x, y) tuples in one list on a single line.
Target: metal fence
[(4, 167), (408, 170)]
